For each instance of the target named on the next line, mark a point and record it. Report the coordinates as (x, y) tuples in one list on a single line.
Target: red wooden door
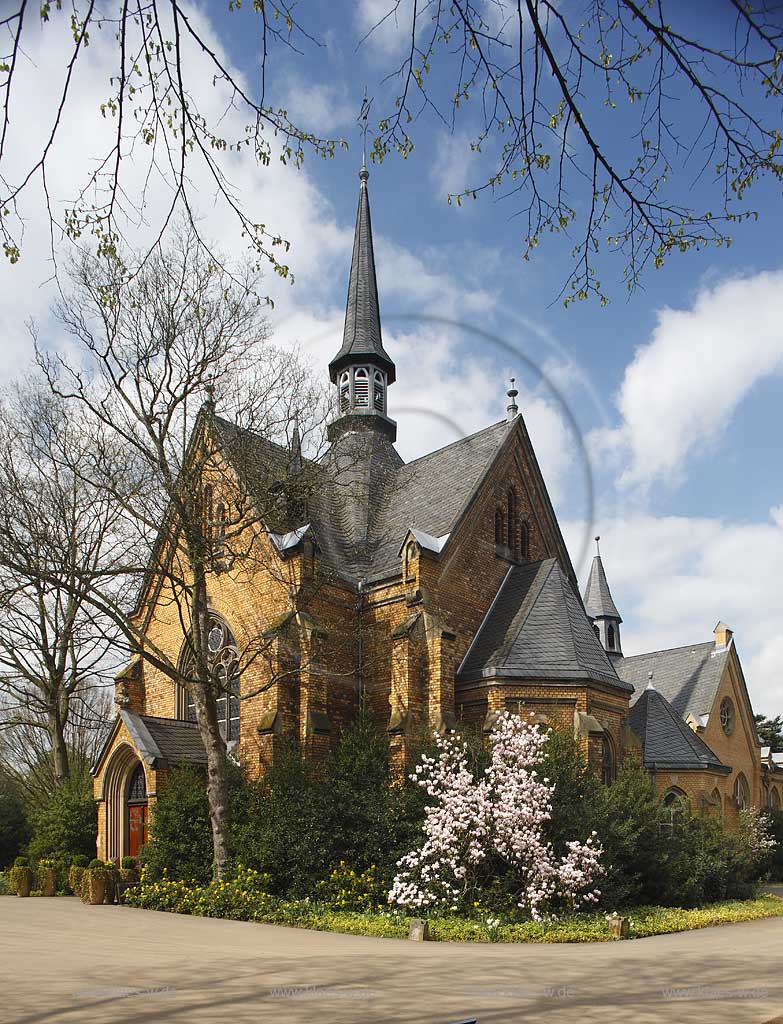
[(137, 828)]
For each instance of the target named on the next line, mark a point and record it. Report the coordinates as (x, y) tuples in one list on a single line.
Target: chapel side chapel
[(433, 593)]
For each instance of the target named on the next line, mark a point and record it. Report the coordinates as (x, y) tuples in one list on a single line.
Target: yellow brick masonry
[(396, 643)]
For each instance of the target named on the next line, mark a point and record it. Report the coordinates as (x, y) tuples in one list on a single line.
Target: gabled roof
[(598, 597), (688, 677), (537, 629), (156, 739), (362, 332), (668, 741)]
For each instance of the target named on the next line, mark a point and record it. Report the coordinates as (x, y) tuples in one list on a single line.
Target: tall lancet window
[(379, 391), (345, 390), (513, 521), (361, 388)]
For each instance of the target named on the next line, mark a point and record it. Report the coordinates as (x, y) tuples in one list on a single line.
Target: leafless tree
[(614, 122), (159, 352), (26, 752), (550, 80), (156, 101), (55, 531)]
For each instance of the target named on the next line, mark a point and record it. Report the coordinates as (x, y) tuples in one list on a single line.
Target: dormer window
[(361, 388), (345, 390), (379, 391)]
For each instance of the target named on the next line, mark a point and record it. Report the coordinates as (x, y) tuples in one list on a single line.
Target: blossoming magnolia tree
[(496, 820)]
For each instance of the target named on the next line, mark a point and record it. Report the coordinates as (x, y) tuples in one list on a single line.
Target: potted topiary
[(93, 889), (46, 879), (128, 877), (22, 876), (112, 878), (76, 873)]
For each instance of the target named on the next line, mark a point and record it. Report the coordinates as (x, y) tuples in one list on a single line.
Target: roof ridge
[(451, 444), (670, 650)]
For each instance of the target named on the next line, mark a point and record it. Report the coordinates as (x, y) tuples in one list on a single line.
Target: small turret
[(601, 607)]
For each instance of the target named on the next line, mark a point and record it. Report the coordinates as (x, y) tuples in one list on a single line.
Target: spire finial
[(650, 685), (209, 401), (598, 547), (512, 409), (363, 119)]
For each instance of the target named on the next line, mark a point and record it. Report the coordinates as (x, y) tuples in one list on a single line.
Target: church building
[(432, 593)]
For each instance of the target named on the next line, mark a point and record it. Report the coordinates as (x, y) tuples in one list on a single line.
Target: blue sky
[(677, 390)]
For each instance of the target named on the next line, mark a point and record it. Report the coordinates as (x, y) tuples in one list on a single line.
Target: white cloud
[(682, 388), (387, 22), (674, 577)]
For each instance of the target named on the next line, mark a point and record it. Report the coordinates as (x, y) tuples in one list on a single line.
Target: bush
[(298, 821), (14, 826), (776, 859), (67, 824), (76, 878), (21, 862), (345, 889), (80, 861), (180, 841), (129, 863), (95, 863)]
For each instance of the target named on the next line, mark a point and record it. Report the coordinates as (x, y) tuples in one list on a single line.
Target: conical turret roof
[(598, 597)]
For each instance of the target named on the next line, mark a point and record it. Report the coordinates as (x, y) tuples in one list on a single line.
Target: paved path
[(62, 961)]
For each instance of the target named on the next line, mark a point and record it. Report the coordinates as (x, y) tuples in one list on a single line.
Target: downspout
[(360, 647)]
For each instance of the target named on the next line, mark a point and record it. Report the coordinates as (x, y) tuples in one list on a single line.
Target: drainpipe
[(360, 646)]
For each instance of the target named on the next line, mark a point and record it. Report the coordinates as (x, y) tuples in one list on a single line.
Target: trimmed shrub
[(129, 863), (67, 824), (80, 861)]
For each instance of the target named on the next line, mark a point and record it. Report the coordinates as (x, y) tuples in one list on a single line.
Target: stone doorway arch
[(125, 787)]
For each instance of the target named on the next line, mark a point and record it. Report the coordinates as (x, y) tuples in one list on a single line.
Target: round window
[(727, 716)]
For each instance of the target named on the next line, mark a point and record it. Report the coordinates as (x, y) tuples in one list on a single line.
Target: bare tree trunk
[(60, 762)]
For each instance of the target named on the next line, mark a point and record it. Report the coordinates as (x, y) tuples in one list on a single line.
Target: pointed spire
[(362, 341), (601, 608), (598, 597)]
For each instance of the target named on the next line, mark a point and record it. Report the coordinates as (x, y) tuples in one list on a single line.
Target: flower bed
[(243, 898)]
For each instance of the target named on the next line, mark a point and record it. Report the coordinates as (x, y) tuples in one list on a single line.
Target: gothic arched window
[(610, 637), (511, 506), (741, 793), (361, 388), (499, 531), (607, 760), (524, 541), (137, 787), (675, 808), (208, 513), (379, 391), (345, 390), (223, 664)]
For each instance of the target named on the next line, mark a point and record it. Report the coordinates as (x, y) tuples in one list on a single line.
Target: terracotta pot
[(97, 888)]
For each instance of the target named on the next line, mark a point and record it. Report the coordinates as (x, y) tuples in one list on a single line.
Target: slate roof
[(362, 332), (178, 742), (668, 741), (598, 597), (537, 629), (688, 677)]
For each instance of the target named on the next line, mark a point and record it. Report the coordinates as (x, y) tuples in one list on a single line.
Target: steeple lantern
[(362, 370)]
